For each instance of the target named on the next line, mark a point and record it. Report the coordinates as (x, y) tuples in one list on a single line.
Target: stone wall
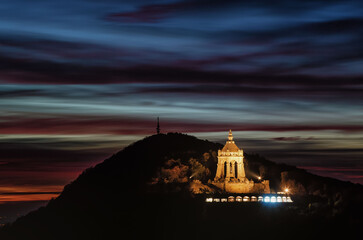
[(247, 187), (262, 187), (233, 187)]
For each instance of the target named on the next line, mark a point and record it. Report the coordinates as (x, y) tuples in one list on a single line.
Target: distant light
[(259, 178), (230, 199), (286, 190)]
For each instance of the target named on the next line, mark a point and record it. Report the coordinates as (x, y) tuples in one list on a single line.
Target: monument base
[(248, 186)]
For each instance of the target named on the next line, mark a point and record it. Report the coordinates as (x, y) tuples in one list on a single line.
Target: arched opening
[(238, 199), (246, 198), (235, 170), (224, 169), (230, 169)]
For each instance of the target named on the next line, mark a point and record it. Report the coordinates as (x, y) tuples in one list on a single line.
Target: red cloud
[(116, 125)]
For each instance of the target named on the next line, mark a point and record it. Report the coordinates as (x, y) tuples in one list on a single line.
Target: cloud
[(190, 80), (343, 173), (27, 193), (76, 125), (30, 166), (147, 13), (34, 48), (116, 125), (19, 93), (286, 138), (335, 26), (6, 198)]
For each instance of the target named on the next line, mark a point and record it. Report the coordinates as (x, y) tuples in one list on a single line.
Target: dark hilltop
[(156, 188)]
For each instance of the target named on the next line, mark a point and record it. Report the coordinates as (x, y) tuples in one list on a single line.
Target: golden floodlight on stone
[(230, 176)]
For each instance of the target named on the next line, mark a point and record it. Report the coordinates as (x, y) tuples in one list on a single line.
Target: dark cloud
[(115, 125), (20, 93), (43, 49), (151, 13), (287, 138), (32, 154), (344, 173), (148, 13), (74, 125), (190, 80), (336, 26), (37, 162)]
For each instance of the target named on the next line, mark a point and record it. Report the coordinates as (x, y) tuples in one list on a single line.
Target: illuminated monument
[(231, 176)]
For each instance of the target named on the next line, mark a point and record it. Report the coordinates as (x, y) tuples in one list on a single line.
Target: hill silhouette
[(149, 190)]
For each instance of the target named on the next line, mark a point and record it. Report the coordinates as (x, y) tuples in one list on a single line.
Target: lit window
[(230, 199), (224, 200), (253, 199), (284, 199), (289, 199), (216, 200), (209, 200), (238, 199), (279, 199), (273, 199), (260, 198), (267, 199), (246, 198)]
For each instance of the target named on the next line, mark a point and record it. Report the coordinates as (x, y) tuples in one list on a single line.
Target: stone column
[(233, 172), (228, 172), (241, 171), (219, 171)]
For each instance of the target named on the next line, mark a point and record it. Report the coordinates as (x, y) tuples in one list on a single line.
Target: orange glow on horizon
[(28, 193), (26, 198)]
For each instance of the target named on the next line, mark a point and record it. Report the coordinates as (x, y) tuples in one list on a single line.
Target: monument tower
[(230, 162), (231, 176)]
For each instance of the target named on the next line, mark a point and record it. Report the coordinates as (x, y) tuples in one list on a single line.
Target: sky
[(81, 79)]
